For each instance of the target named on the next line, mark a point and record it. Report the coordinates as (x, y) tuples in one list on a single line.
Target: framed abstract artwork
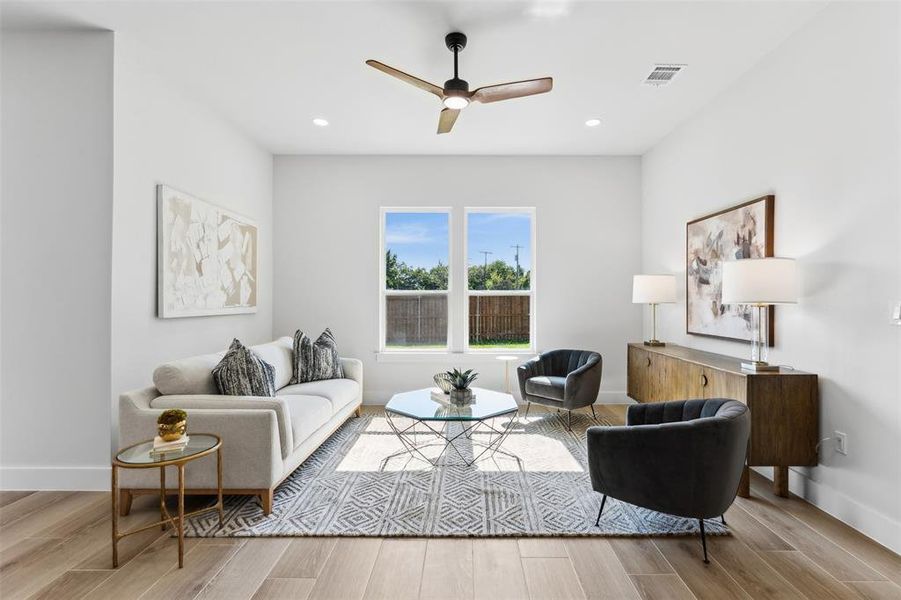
[(206, 258), (743, 231)]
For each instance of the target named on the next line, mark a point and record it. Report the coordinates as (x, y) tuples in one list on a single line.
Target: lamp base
[(758, 366), (654, 343)]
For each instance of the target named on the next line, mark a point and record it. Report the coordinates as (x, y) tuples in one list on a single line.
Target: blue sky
[(421, 239), (498, 233), (418, 239)]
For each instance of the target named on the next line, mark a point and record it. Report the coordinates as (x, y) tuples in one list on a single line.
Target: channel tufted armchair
[(563, 379), (683, 458)]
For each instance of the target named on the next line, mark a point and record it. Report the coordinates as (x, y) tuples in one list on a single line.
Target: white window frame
[(384, 292), (533, 344)]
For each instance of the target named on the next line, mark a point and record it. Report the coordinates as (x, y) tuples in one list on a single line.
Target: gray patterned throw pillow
[(241, 372), (314, 361)]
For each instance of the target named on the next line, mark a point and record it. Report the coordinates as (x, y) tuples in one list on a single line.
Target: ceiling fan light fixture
[(455, 94), (320, 122), (456, 102), (592, 122)]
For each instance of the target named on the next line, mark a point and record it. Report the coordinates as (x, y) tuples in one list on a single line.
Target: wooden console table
[(784, 404)]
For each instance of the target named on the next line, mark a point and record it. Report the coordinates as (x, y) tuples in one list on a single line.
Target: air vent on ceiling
[(663, 74)]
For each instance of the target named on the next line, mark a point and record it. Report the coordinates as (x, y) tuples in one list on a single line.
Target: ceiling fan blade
[(446, 119), (420, 83), (514, 89)]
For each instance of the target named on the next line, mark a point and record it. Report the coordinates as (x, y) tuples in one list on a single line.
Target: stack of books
[(440, 396), (162, 447)]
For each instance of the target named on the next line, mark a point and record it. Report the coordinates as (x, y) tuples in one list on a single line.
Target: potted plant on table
[(172, 424), (461, 380)]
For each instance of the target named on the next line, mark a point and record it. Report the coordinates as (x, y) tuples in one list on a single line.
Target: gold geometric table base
[(177, 522)]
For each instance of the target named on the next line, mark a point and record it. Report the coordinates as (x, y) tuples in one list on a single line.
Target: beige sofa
[(263, 439)]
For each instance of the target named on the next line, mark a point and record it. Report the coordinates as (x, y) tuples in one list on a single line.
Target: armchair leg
[(594, 414), (723, 519), (569, 420), (703, 541), (597, 523), (528, 406)]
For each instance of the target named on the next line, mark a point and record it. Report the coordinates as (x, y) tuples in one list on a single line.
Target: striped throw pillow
[(241, 372), (314, 361)]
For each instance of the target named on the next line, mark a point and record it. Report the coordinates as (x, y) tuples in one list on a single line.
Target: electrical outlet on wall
[(841, 442)]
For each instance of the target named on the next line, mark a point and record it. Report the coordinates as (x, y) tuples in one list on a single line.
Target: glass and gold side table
[(139, 457)]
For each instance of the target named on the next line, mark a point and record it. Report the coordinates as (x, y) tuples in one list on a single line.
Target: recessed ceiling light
[(592, 122), (320, 122), (548, 10)]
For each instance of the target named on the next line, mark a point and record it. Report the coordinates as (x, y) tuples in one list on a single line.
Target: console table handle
[(703, 380)]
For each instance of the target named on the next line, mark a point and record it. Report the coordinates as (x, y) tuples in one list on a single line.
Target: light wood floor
[(57, 545)]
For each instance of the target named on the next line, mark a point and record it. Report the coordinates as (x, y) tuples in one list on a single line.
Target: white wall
[(57, 147), (327, 253), (162, 136), (816, 123)]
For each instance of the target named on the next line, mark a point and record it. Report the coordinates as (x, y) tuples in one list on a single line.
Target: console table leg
[(780, 481), (744, 485)]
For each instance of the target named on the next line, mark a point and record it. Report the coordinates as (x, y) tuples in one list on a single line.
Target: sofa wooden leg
[(266, 501), (125, 498), (359, 411)]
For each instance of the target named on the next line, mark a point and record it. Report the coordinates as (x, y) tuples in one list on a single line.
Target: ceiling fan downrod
[(456, 42)]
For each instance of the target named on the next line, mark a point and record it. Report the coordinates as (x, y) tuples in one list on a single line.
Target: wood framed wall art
[(734, 233), (207, 258)]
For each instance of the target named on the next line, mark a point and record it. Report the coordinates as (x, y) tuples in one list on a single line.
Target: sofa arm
[(251, 457), (648, 465), (525, 371), (353, 369), (193, 402), (583, 384)]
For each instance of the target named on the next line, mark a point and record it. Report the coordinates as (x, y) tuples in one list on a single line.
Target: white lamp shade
[(653, 289), (760, 281)]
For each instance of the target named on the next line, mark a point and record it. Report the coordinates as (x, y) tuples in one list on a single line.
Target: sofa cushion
[(242, 372), (308, 413), (193, 375), (339, 392), (315, 361), (279, 354), (546, 386)]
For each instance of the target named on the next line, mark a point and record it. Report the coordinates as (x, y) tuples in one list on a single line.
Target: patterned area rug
[(348, 488)]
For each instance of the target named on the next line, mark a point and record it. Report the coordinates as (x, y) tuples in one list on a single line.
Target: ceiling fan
[(456, 95)]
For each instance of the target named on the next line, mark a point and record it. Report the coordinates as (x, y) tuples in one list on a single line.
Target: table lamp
[(760, 282), (654, 290)]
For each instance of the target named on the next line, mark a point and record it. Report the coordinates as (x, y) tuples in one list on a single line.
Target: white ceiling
[(271, 67)]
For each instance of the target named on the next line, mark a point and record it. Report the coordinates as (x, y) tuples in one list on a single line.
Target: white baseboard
[(873, 524), (78, 479), (380, 398)]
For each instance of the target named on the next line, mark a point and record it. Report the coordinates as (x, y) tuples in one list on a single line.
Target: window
[(494, 309), (415, 279), (500, 279)]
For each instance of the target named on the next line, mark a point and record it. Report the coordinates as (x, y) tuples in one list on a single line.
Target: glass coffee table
[(434, 416)]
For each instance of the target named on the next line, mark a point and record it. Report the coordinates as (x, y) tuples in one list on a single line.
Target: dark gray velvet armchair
[(564, 379), (683, 458)]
